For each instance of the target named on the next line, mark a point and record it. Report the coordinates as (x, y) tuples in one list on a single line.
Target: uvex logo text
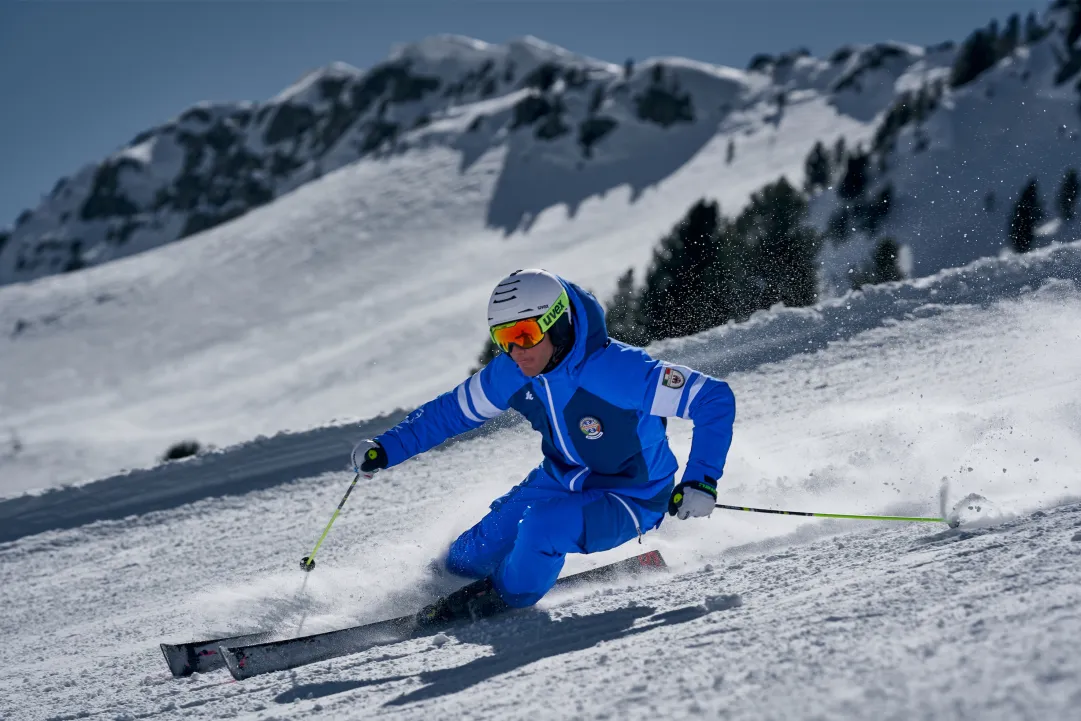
[(550, 317)]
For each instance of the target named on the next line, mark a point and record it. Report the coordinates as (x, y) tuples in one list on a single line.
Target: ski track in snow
[(907, 621), (835, 619)]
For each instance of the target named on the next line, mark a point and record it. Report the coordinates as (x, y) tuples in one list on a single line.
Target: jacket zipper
[(555, 423)]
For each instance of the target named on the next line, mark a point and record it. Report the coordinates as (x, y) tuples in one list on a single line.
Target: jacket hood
[(590, 328)]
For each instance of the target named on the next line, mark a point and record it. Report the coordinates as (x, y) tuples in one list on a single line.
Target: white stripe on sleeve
[(463, 403), (695, 387), (670, 388), (480, 401)]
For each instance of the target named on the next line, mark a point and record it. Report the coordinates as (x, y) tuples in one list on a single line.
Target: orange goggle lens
[(524, 333)]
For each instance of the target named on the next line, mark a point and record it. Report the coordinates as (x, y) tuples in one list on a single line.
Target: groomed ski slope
[(969, 378)]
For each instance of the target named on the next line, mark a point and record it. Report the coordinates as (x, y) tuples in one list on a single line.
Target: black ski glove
[(369, 457), (693, 498)]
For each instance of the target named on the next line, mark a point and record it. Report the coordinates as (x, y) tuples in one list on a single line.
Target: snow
[(868, 404), (142, 153), (976, 511), (447, 49), (1051, 227)]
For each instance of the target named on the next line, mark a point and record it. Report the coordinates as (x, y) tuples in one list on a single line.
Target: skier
[(601, 407)]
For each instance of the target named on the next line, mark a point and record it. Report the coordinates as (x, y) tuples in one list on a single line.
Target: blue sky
[(80, 78)]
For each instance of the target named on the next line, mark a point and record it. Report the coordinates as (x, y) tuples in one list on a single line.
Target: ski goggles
[(528, 332)]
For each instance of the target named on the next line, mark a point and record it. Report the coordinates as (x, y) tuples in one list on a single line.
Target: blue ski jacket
[(602, 413)]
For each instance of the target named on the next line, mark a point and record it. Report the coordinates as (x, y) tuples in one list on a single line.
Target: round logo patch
[(673, 378), (591, 427)]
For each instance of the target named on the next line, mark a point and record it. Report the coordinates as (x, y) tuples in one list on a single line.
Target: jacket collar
[(590, 331)]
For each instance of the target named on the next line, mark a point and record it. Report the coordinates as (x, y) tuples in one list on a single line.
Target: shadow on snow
[(515, 645)]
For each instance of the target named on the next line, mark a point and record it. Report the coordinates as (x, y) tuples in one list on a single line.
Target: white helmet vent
[(523, 294)]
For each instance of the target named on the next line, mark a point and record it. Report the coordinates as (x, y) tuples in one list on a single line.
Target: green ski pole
[(839, 515), (308, 562)]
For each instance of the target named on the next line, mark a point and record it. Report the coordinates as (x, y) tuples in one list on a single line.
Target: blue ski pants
[(523, 540)]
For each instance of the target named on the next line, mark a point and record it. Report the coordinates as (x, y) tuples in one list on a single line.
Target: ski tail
[(245, 660), (184, 659)]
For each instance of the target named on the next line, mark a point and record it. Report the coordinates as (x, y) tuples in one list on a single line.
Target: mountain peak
[(302, 88), (435, 48), (524, 50)]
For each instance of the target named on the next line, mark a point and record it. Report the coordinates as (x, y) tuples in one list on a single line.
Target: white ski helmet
[(523, 294)]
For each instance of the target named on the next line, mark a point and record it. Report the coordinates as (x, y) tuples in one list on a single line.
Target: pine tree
[(884, 261), (731, 277), (900, 113), (855, 179), (816, 168), (596, 100), (975, 56), (622, 313), (1073, 32), (784, 248), (839, 224), (1034, 32), (1067, 194), (675, 300), (1027, 214), (730, 153), (709, 269), (1011, 36), (883, 267), (876, 210), (839, 152)]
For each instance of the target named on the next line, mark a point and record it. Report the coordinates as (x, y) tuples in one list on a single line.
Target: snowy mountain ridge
[(950, 160), (215, 162)]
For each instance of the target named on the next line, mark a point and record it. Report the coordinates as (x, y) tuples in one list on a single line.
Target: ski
[(184, 659), (247, 659)]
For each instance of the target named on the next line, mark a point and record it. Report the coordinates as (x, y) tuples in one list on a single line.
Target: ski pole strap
[(367, 476), (831, 515)]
